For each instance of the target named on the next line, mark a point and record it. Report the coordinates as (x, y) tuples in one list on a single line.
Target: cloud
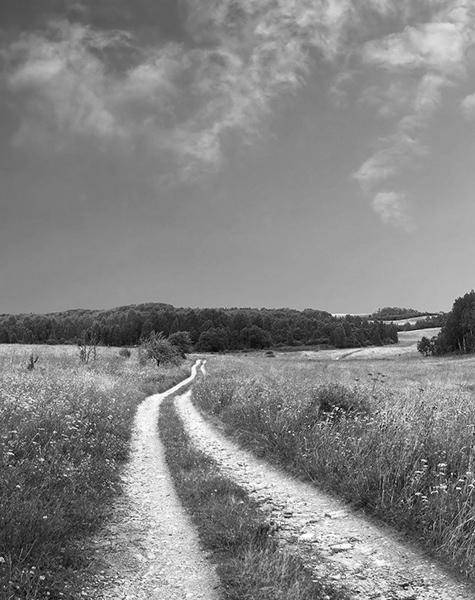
[(392, 208), (468, 106), (421, 61), (438, 46), (63, 83), (179, 99), (397, 152), (66, 89), (183, 101)]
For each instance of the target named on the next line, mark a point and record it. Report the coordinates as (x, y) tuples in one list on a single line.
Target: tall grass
[(403, 451), (64, 432)]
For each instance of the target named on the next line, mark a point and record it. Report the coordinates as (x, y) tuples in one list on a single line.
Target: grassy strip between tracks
[(250, 563)]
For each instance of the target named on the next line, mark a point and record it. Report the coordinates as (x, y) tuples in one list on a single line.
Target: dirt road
[(149, 550), (369, 560)]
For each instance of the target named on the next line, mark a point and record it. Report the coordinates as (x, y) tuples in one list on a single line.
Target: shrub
[(125, 353), (157, 348), (336, 398)]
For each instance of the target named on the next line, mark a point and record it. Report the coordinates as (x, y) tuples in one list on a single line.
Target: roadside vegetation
[(64, 432), (395, 438), (249, 561)]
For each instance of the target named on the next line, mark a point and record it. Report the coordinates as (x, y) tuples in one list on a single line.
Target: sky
[(279, 153)]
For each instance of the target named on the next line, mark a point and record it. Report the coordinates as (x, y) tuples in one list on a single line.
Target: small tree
[(88, 347), (430, 347), (424, 346), (182, 342), (156, 347), (32, 362)]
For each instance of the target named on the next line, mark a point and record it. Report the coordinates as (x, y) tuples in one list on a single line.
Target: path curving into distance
[(371, 561), (150, 550)]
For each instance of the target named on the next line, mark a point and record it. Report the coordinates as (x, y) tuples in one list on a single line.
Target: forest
[(210, 329)]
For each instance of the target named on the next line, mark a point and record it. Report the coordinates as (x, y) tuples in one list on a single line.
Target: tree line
[(210, 329), (395, 313), (457, 333), (438, 320)]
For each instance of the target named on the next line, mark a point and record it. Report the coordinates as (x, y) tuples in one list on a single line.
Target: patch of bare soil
[(370, 560), (149, 550)]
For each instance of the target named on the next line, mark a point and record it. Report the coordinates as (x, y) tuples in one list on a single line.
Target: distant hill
[(409, 319), (394, 313)]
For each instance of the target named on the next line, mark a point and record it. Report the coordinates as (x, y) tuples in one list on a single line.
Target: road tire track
[(368, 559), (149, 550)]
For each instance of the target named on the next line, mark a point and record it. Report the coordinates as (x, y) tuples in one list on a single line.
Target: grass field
[(395, 436), (64, 432)]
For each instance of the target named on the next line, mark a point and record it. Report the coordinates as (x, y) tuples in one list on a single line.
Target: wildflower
[(2, 560)]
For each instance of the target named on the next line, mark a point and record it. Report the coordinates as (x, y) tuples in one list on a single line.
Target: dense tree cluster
[(458, 333), (210, 329)]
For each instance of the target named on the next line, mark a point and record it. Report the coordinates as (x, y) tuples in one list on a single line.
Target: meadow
[(393, 435), (64, 433)]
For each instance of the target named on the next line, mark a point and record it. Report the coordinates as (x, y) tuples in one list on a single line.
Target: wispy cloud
[(67, 89), (183, 100), (392, 208), (423, 60), (468, 106)]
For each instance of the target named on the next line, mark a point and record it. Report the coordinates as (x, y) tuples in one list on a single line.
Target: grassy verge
[(405, 454), (64, 433), (249, 562)]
